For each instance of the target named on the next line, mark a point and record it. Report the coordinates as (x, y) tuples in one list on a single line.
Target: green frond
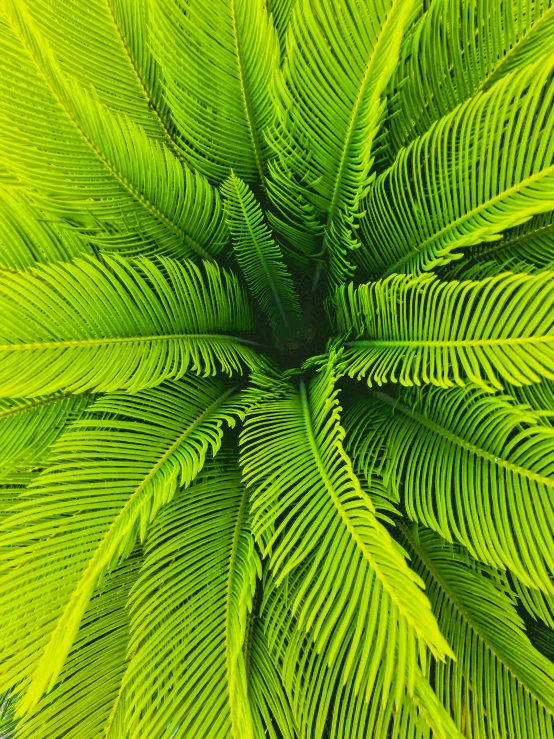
[(485, 167), (499, 686), (533, 242), (82, 32), (324, 704), (109, 180), (259, 257), (29, 427), (109, 475), (458, 49), (417, 330), (222, 107), (482, 269), (90, 684), (340, 57), (472, 466), (191, 664), (311, 515), (27, 236), (115, 324)]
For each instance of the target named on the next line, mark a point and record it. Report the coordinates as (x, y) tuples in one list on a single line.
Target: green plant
[(277, 369)]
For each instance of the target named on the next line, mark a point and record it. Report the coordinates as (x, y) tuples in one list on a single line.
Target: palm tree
[(277, 369)]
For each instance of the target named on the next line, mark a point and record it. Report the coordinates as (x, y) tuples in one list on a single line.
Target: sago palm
[(277, 369)]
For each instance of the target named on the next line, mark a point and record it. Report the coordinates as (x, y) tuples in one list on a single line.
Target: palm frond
[(499, 685), (112, 324), (260, 257), (109, 475), (458, 49), (108, 179), (340, 57), (222, 106), (485, 167), (27, 236), (80, 34), (191, 610), (533, 242), (418, 330), (29, 427), (310, 513), (325, 705), (90, 684), (472, 466)]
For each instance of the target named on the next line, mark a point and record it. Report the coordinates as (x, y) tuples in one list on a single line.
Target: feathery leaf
[(417, 330), (116, 324)]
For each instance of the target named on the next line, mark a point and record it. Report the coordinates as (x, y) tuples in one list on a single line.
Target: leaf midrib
[(122, 340), (128, 505), (230, 585), (33, 404), (343, 514), (490, 79), (249, 112), (152, 105), (354, 115), (452, 342)]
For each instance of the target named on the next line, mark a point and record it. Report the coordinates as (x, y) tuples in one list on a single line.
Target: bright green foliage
[(311, 239)]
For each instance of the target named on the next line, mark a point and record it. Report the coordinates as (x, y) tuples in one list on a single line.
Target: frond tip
[(259, 257)]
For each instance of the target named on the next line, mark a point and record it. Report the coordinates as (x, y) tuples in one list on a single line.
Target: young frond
[(260, 257)]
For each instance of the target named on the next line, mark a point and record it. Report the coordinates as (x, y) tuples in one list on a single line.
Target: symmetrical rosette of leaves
[(277, 369)]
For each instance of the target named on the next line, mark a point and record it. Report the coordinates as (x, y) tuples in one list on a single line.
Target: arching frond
[(311, 516), (191, 619), (222, 106), (108, 179), (324, 704), (82, 32), (485, 167), (90, 684), (27, 236), (112, 324), (259, 257), (108, 477), (499, 686), (29, 427), (459, 48), (417, 330), (474, 467), (533, 241), (340, 57)]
